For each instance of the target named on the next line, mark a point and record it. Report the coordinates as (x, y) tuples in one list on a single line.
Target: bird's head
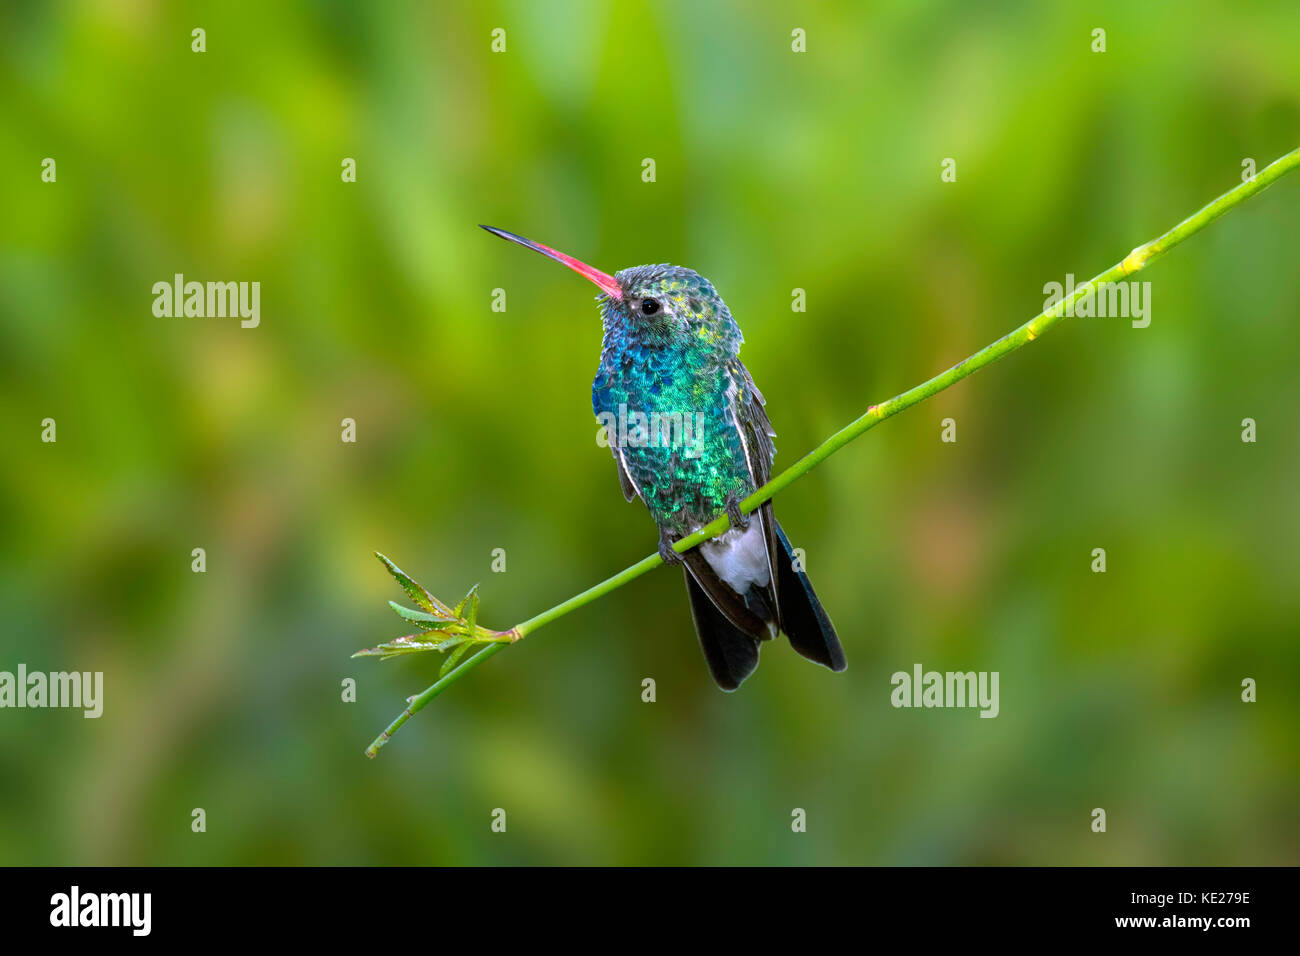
[(659, 304)]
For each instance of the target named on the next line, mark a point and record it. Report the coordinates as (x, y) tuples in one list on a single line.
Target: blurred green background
[(775, 170)]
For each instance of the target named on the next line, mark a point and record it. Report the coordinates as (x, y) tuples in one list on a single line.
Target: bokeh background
[(775, 170)]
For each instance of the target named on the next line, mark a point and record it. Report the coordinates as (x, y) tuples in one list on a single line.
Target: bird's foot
[(670, 557), (738, 520)]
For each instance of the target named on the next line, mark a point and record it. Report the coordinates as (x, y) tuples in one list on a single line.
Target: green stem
[(1133, 262), (418, 702)]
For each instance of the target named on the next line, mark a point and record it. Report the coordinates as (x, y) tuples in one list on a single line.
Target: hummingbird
[(671, 352)]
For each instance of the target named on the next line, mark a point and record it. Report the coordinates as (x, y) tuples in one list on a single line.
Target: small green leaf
[(420, 616), (418, 594), (409, 644), (470, 617)]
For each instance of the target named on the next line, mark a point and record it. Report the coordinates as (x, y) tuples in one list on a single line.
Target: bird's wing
[(630, 490), (731, 653), (750, 416), (753, 613), (750, 419)]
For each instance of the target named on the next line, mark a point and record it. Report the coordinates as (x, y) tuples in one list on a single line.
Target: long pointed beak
[(608, 284)]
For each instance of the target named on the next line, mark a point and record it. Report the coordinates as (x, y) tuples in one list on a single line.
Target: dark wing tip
[(803, 619), (732, 655)]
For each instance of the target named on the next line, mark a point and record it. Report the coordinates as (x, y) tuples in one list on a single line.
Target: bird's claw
[(666, 552), (734, 515)]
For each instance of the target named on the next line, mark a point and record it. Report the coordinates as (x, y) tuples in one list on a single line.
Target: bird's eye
[(649, 306)]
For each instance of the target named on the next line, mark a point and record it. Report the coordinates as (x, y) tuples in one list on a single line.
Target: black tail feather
[(732, 654), (803, 619)]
